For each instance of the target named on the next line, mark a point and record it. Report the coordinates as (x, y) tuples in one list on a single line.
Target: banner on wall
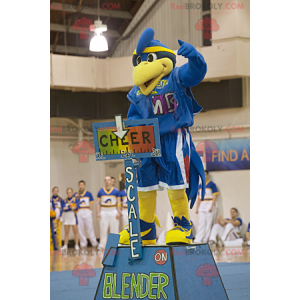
[(225, 155)]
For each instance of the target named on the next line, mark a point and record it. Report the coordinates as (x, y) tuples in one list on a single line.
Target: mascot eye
[(151, 57), (138, 60)]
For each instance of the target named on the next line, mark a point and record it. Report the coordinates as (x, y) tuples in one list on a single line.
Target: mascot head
[(152, 61)]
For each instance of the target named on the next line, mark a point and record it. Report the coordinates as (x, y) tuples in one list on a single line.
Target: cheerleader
[(69, 208)]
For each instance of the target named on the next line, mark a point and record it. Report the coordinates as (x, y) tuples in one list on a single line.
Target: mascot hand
[(52, 214), (187, 50)]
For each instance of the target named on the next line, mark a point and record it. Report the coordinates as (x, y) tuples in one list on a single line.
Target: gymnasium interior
[(89, 87)]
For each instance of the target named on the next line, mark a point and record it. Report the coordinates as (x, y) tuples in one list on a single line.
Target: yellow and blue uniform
[(66, 207), (123, 198), (236, 229), (52, 210), (56, 202), (229, 233), (210, 191), (85, 219), (108, 198), (248, 230), (237, 219), (84, 199), (108, 213), (205, 217), (55, 238)]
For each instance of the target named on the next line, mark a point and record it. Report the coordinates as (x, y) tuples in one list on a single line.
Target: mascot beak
[(146, 75)]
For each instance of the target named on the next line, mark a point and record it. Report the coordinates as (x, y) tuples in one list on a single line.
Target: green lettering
[(115, 295), (144, 295), (152, 285), (107, 286), (161, 285), (135, 286), (125, 285)]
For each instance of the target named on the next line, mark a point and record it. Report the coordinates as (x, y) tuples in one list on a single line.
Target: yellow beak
[(146, 75)]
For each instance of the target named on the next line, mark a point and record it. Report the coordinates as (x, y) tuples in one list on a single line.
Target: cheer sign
[(134, 139)]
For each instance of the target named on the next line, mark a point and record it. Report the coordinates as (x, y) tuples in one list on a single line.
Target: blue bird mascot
[(162, 91)]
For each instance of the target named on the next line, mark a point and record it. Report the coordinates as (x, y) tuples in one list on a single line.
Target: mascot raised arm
[(162, 91)]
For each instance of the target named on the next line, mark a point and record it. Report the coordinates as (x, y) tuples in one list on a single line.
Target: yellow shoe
[(181, 233), (148, 233), (125, 238)]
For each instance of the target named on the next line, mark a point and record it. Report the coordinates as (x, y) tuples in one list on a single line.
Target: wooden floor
[(60, 261)]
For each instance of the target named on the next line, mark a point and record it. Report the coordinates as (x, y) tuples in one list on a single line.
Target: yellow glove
[(52, 214)]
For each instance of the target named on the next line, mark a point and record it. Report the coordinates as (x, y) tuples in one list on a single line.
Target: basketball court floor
[(233, 265)]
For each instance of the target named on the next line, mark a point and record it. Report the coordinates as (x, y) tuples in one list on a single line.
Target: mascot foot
[(181, 233), (148, 233)]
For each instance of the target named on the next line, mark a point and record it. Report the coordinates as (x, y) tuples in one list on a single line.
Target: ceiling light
[(98, 42)]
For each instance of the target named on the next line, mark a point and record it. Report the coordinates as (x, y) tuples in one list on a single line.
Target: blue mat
[(64, 286)]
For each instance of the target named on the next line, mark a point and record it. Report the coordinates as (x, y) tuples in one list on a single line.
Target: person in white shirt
[(108, 211), (69, 208), (85, 218), (206, 210), (226, 229)]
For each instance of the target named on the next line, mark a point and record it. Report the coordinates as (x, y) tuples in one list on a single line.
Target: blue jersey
[(237, 219), (56, 202), (66, 204), (123, 198), (248, 230), (52, 205), (108, 198), (170, 102), (84, 199), (239, 227), (210, 190)]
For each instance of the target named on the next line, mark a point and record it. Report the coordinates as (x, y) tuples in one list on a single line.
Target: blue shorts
[(171, 170)]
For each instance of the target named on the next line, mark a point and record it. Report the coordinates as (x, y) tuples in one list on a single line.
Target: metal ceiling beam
[(76, 50), (70, 8), (62, 28), (145, 9)]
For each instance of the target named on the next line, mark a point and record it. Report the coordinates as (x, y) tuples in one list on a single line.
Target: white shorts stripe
[(189, 143), (148, 188), (173, 187), (179, 155)]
